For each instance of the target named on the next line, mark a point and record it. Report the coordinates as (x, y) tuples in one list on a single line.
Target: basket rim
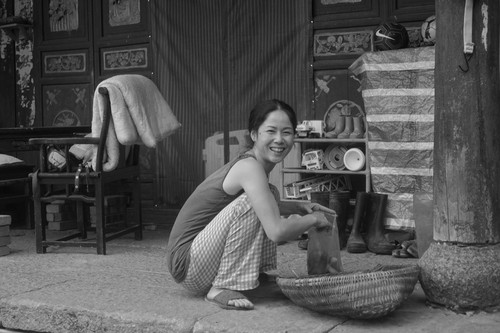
[(375, 271)]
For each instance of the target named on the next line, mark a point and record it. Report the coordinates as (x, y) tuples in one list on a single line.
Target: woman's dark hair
[(259, 113)]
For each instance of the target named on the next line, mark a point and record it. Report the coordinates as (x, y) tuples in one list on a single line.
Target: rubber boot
[(348, 128), (339, 202), (356, 243), (339, 128), (358, 131), (375, 239)]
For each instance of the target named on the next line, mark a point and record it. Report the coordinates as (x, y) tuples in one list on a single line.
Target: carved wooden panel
[(336, 91), (122, 38), (332, 43), (64, 19), (70, 62), (124, 17), (81, 43), (67, 105), (124, 59)]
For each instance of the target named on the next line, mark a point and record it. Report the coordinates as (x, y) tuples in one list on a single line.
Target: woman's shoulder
[(246, 159), (248, 169)]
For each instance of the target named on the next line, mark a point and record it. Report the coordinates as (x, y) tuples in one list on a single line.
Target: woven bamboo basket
[(363, 295)]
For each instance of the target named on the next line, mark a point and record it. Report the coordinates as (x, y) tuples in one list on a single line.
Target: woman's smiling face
[(274, 139)]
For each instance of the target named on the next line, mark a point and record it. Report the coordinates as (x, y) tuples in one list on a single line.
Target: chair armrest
[(64, 141)]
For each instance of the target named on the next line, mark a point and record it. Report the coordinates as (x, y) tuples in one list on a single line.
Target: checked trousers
[(231, 251)]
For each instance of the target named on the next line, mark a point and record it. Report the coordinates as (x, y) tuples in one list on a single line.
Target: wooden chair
[(86, 188)]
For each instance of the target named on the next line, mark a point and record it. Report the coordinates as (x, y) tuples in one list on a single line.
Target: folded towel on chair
[(140, 115)]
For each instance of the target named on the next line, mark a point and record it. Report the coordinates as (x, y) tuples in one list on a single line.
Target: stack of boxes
[(61, 216), (115, 211), (5, 221)]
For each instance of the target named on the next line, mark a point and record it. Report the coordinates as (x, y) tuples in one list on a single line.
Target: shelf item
[(341, 108), (333, 165), (302, 189), (354, 159), (334, 157)]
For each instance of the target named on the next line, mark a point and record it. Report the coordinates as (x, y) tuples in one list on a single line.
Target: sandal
[(411, 247), (222, 300), (303, 244), (400, 253)]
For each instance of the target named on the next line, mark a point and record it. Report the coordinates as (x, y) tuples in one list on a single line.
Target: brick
[(58, 208), (52, 217), (115, 211), (5, 220), (62, 225), (4, 250), (4, 240), (4, 230)]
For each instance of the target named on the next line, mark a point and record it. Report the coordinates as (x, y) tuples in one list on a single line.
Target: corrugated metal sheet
[(214, 60)]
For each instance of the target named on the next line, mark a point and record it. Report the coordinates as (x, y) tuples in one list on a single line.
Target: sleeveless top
[(207, 200)]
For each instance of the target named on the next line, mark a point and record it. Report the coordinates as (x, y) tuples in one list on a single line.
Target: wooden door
[(80, 43), (64, 78)]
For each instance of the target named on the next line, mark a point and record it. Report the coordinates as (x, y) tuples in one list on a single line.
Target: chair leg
[(29, 206), (136, 197), (100, 219), (39, 216), (39, 226), (80, 220)]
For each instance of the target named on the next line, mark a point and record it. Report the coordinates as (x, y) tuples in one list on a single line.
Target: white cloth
[(140, 115)]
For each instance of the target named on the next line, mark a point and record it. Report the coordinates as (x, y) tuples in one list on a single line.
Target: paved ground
[(129, 290)]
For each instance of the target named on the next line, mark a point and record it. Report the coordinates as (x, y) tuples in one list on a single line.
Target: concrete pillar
[(461, 268)]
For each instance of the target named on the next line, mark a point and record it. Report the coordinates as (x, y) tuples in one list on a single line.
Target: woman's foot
[(229, 299)]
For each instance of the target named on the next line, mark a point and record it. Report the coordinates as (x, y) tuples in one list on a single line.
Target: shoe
[(355, 242), (339, 128), (303, 244), (400, 253), (410, 246), (339, 202), (358, 128), (349, 127), (222, 299), (375, 239)]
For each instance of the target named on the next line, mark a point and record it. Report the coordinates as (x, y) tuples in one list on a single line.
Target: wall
[(214, 62)]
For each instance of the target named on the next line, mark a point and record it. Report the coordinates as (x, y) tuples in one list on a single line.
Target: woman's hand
[(310, 207), (324, 220)]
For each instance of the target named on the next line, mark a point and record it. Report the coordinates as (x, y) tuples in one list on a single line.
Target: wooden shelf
[(325, 171), (327, 140), (320, 143)]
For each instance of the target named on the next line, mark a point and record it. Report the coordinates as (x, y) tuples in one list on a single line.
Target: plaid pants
[(231, 251)]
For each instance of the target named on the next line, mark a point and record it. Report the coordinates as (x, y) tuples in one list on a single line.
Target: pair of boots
[(347, 127), (369, 213), (339, 202)]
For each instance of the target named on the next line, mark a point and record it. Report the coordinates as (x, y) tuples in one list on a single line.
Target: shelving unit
[(323, 143)]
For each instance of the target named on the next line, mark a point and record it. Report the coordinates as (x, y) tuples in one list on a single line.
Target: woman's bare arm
[(249, 175)]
